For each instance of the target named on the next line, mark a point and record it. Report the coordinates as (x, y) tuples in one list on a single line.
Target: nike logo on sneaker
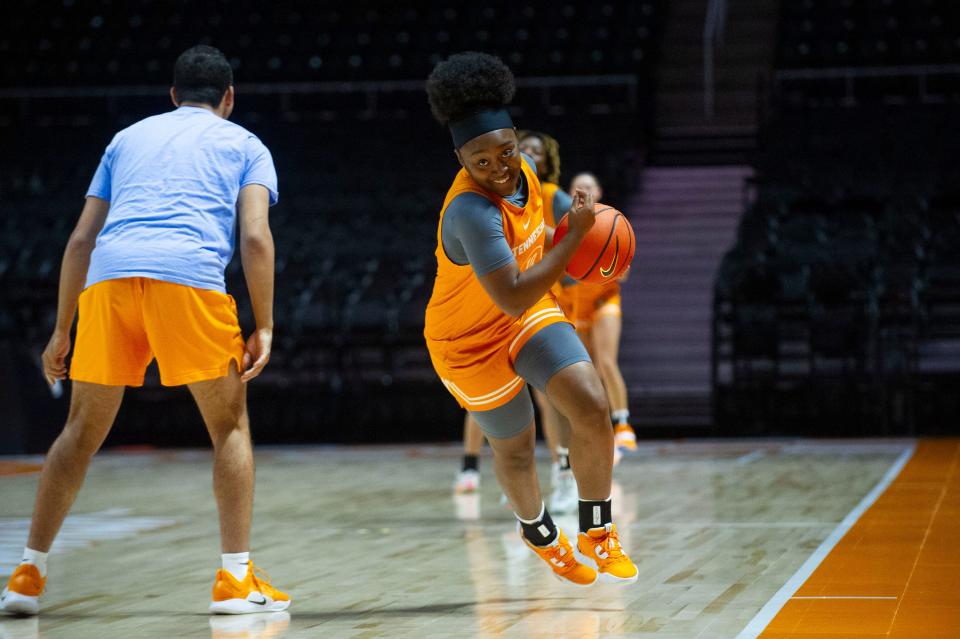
[(262, 602)]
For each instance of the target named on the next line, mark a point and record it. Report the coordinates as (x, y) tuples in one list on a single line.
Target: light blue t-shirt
[(172, 181)]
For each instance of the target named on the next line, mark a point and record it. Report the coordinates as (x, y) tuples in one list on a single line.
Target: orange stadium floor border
[(18, 468), (896, 572)]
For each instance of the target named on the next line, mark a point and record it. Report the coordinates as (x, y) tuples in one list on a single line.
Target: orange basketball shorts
[(124, 323), (594, 302), (481, 376)]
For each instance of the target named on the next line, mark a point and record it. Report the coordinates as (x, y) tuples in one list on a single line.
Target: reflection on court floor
[(371, 542), (79, 531)]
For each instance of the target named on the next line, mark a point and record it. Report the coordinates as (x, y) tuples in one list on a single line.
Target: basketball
[(606, 251)]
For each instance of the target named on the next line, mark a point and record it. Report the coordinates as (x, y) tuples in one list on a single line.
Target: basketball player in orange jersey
[(599, 318), (145, 264), (492, 325), (544, 151)]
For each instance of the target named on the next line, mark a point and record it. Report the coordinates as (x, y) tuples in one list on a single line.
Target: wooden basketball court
[(734, 539)]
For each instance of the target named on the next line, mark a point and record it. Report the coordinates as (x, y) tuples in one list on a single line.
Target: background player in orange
[(599, 318), (468, 479), (145, 264), (544, 150), (492, 325)]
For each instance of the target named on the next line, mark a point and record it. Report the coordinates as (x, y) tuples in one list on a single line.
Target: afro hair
[(466, 83)]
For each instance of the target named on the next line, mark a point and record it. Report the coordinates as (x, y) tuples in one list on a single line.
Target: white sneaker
[(468, 481), (565, 498)]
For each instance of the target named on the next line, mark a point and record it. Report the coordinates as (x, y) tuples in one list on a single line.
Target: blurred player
[(468, 479), (145, 264), (544, 150), (492, 324), (599, 321)]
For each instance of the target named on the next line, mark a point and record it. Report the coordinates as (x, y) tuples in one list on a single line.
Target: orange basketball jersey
[(472, 342), (565, 295), (549, 215)]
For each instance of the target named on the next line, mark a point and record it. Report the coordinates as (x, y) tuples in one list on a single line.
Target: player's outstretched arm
[(257, 257), (514, 291), (73, 275)]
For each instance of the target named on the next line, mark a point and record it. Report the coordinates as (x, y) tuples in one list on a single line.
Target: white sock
[(621, 416), (36, 558), (236, 563)]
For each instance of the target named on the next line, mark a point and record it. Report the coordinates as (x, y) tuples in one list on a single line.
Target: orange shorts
[(125, 323), (483, 378), (593, 302)]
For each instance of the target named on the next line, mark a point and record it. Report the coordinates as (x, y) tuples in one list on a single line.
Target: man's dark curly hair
[(202, 74), (466, 83)]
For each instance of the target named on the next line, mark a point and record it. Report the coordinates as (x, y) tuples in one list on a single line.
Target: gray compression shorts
[(546, 353)]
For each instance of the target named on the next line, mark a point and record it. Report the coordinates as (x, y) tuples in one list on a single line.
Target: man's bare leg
[(223, 405), (93, 407)]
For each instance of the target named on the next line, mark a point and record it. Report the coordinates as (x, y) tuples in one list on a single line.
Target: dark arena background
[(791, 170)]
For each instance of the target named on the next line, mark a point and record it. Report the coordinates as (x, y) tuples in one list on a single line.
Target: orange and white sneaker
[(602, 547), (22, 594), (561, 558), (253, 594), (624, 438)]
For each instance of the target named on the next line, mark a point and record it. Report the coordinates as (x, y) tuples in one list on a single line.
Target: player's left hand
[(257, 353), (54, 358)]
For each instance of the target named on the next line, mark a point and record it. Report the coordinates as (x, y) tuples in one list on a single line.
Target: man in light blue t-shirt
[(145, 264)]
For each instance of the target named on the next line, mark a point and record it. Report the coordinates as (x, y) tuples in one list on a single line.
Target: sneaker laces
[(561, 557), (610, 543), (259, 577)]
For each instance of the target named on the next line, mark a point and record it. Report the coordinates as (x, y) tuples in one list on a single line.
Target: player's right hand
[(54, 358), (257, 353), (582, 215)]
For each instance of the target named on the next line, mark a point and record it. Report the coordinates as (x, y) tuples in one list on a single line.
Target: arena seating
[(846, 33), (82, 44), (838, 305), (840, 53)]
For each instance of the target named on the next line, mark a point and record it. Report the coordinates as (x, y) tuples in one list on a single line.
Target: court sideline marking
[(766, 614)]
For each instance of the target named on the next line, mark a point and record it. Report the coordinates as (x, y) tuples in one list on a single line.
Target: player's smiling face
[(493, 161)]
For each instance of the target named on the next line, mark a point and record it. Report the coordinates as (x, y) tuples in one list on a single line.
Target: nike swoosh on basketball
[(607, 272)]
